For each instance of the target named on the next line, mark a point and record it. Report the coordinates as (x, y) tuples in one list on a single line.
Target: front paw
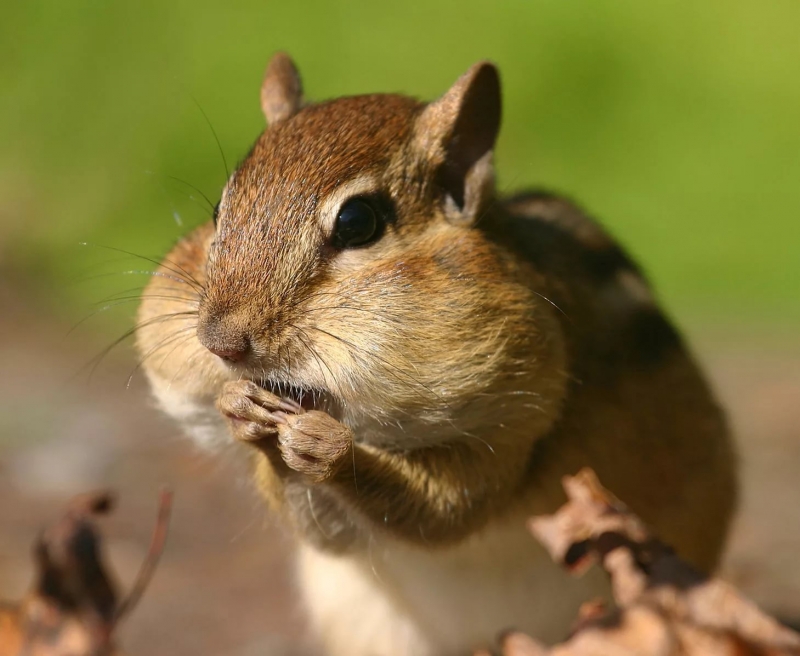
[(314, 444), (311, 442), (253, 413)]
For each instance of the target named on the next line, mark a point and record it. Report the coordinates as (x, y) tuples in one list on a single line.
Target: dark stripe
[(606, 263), (567, 235), (648, 337)]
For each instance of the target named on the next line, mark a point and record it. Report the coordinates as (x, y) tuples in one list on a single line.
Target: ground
[(225, 585)]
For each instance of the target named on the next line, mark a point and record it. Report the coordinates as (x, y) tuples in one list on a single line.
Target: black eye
[(216, 213), (356, 225)]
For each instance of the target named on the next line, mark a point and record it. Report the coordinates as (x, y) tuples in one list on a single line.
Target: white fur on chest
[(198, 417), (398, 600)]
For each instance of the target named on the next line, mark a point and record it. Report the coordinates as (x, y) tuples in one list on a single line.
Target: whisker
[(305, 339), (96, 360), (100, 310), (551, 303), (178, 270), (78, 276), (176, 335), (214, 132), (140, 272), (314, 514), (138, 289), (197, 189), (473, 436), (390, 367), (114, 298), (165, 340), (349, 307)]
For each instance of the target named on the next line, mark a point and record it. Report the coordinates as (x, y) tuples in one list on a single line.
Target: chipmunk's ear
[(457, 133), (281, 91)]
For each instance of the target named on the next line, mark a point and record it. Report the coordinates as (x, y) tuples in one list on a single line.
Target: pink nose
[(231, 355), (223, 335)]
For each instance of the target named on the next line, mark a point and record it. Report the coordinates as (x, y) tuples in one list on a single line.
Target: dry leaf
[(73, 608), (664, 607)]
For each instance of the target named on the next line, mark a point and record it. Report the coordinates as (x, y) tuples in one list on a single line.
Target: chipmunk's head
[(343, 265)]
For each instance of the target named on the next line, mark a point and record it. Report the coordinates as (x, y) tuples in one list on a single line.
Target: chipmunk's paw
[(314, 444), (253, 413), (310, 442)]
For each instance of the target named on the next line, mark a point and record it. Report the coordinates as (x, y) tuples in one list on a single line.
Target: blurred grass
[(677, 123)]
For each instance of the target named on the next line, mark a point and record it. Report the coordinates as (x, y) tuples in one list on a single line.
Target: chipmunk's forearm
[(336, 489), (437, 494)]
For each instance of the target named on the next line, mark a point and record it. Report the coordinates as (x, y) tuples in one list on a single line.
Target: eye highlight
[(357, 224)]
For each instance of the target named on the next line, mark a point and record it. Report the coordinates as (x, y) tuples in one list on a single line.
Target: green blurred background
[(677, 123)]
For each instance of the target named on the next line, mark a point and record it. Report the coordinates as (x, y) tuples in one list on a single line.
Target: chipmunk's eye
[(357, 224)]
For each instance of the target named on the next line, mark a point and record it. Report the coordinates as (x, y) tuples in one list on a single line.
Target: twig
[(150, 563)]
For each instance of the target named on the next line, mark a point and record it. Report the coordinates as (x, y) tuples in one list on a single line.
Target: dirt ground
[(225, 585)]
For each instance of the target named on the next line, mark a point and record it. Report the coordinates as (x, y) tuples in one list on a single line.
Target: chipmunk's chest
[(447, 601)]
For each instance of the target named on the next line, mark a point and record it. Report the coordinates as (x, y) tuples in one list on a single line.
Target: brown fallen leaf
[(73, 606), (664, 607)]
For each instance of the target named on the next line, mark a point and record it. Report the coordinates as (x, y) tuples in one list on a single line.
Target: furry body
[(411, 402)]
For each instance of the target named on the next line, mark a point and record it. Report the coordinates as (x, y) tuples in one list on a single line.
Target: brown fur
[(474, 354)]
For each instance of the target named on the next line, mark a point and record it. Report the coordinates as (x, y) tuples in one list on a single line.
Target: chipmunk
[(416, 362)]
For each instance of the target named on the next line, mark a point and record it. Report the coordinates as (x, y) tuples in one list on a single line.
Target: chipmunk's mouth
[(308, 398)]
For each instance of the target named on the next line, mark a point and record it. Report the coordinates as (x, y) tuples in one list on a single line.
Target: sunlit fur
[(475, 361)]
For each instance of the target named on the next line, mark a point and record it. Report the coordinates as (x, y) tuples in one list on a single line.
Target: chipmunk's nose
[(231, 355), (224, 338)]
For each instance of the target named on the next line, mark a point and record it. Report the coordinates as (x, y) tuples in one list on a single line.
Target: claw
[(279, 417), (270, 401), (291, 406)]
